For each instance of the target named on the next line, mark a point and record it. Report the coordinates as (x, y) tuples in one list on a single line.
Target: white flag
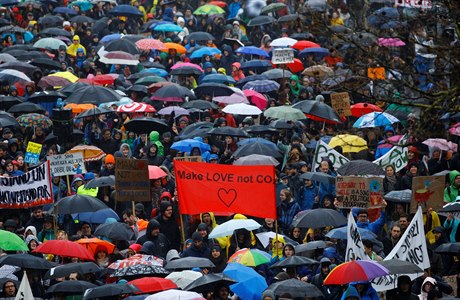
[(323, 150), (24, 291), (355, 247)]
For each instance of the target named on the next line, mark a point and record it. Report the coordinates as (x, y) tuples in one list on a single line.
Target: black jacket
[(170, 229)]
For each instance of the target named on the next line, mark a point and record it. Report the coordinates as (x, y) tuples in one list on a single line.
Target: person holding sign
[(376, 226)]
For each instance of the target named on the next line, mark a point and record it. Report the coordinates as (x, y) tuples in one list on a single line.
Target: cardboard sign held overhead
[(132, 180), (33, 153), (341, 103), (427, 192), (356, 191), (283, 56)]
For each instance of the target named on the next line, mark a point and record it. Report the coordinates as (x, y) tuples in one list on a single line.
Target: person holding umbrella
[(329, 292)]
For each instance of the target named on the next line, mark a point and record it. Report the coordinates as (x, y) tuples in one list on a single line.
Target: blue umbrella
[(261, 140), (205, 51), (250, 284), (84, 5), (159, 23), (110, 37), (252, 50), (341, 233), (188, 144), (64, 10), (321, 52), (156, 71), (256, 64), (219, 78), (97, 217), (375, 119), (387, 12), (168, 28), (9, 2), (126, 11), (262, 86), (252, 78), (393, 24)]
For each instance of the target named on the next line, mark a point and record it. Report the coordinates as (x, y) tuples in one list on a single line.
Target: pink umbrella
[(442, 144), (180, 65), (136, 107), (390, 142), (390, 42), (232, 99), (455, 129), (149, 44), (256, 98)]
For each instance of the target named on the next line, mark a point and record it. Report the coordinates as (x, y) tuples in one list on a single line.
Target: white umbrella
[(242, 109), (256, 160), (227, 228), (184, 278), (264, 237), (175, 295), (283, 42)]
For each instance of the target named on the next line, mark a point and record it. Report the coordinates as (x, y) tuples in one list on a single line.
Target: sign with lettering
[(33, 188), (355, 247), (397, 157), (283, 56), (33, 153), (67, 164), (427, 192), (323, 150), (132, 180), (356, 191), (341, 103)]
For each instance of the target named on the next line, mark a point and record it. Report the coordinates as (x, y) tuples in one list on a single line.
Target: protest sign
[(33, 188), (283, 56), (427, 192), (33, 153), (132, 180), (397, 157), (355, 247), (67, 164), (225, 188), (323, 150), (356, 191), (411, 247), (423, 4), (341, 103), (190, 158)]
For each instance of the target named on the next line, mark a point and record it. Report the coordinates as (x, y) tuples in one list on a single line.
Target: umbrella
[(228, 131), (219, 78), (404, 196), (109, 290), (146, 125), (451, 207), (188, 144), (259, 130), (184, 278), (213, 89), (234, 98), (172, 93), (180, 65), (177, 110), (156, 172), (396, 266), (93, 244), (53, 82), (7, 120), (92, 94), (97, 217), (78, 203), (341, 233), (64, 248), (318, 111), (124, 45), (136, 107), (256, 98), (50, 42), (168, 27), (90, 153), (149, 44), (317, 218), (390, 42), (68, 90), (152, 284), (178, 47), (270, 144), (227, 228), (84, 6), (317, 52), (150, 79), (33, 119), (19, 66), (7, 101), (11, 242), (290, 17), (294, 261), (211, 51), (155, 71), (359, 109), (261, 20), (209, 282), (348, 143), (13, 76), (283, 42), (275, 74), (257, 148), (355, 270), (199, 104), (189, 263), (250, 284), (92, 112), (46, 63), (25, 261), (311, 246), (65, 270), (448, 248), (262, 86), (119, 58), (175, 295), (250, 257), (375, 119), (208, 9), (64, 10), (5, 58), (256, 65), (360, 167), (26, 107), (318, 177), (301, 45), (70, 287), (296, 288), (242, 109), (125, 11), (284, 112), (442, 144), (256, 160), (66, 75), (272, 7), (185, 70), (201, 36), (318, 71), (115, 231), (252, 50)]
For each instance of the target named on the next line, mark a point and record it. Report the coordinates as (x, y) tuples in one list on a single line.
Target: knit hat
[(136, 247), (196, 236), (180, 20), (110, 159), (202, 226), (89, 176)]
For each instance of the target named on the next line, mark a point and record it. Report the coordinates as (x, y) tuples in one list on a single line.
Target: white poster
[(323, 150), (397, 157), (355, 247), (67, 164), (24, 291)]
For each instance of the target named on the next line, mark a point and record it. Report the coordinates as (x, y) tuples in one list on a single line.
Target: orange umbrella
[(90, 153), (79, 108), (94, 245), (179, 48)]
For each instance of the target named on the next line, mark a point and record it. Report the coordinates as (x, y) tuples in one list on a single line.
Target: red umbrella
[(355, 270), (64, 248), (300, 45), (359, 109), (218, 3), (153, 284), (256, 98), (156, 172), (296, 66), (149, 44), (102, 79), (136, 107)]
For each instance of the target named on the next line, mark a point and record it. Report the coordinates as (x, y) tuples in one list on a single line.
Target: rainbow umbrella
[(250, 257), (34, 119), (208, 9)]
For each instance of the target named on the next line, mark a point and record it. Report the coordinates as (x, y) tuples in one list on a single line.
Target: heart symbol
[(227, 196)]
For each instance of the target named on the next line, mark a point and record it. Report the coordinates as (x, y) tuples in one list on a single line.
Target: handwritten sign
[(341, 103), (355, 191), (427, 192), (132, 180), (67, 164), (33, 153), (323, 150), (283, 56), (355, 247), (396, 157)]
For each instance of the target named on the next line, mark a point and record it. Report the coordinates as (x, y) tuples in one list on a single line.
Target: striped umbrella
[(262, 86), (136, 107)]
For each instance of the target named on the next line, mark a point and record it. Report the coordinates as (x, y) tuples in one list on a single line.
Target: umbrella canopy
[(262, 86), (11, 242), (184, 278), (252, 50), (318, 71), (341, 233), (318, 177), (64, 248), (32, 120), (168, 27), (201, 36), (152, 284), (301, 45), (234, 98), (172, 93), (312, 246), (275, 74), (146, 125), (92, 112), (284, 112), (283, 42), (90, 153), (178, 47), (119, 58), (70, 287), (175, 295), (188, 144), (318, 111), (228, 131), (355, 270), (136, 107), (360, 167), (250, 284), (50, 42), (360, 109), (256, 160), (13, 76), (156, 172), (375, 119), (97, 217), (26, 107), (94, 245), (109, 290), (442, 144), (65, 270), (93, 94), (227, 228), (7, 101), (317, 218), (123, 45), (296, 288), (242, 109), (149, 44), (177, 110), (7, 120), (115, 231), (189, 263), (213, 89), (209, 282), (404, 196), (257, 147), (390, 42), (272, 7), (451, 207), (261, 20), (199, 104), (79, 203), (396, 266), (209, 9), (349, 143), (211, 51), (25, 261), (250, 257), (294, 261), (448, 248), (126, 11)]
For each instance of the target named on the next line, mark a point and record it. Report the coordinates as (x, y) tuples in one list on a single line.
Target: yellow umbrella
[(67, 75), (348, 142)]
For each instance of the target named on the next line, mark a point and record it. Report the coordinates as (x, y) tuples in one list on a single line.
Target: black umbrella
[(451, 207), (291, 17), (26, 107), (93, 112), (404, 196), (68, 90), (318, 218), (136, 76), (54, 31), (50, 21), (189, 263), (186, 70), (448, 248), (311, 246), (7, 101), (110, 290), (200, 36), (25, 47), (140, 269), (203, 132), (318, 109), (296, 288), (259, 130), (251, 78), (209, 282), (302, 36), (68, 205), (275, 74), (196, 126), (152, 64), (20, 66), (31, 55), (12, 29), (281, 124), (26, 261), (172, 93), (101, 181), (318, 177), (257, 148), (134, 38), (46, 96), (93, 94), (67, 269), (81, 19), (7, 120), (70, 287), (122, 45), (199, 104), (294, 261), (115, 231), (261, 20), (146, 125), (360, 167), (258, 65), (137, 88), (46, 63), (232, 42), (228, 131), (396, 266), (213, 89)]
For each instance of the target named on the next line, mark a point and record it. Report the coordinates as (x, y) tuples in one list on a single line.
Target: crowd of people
[(348, 59)]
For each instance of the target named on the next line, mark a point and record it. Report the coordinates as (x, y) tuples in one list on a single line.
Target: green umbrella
[(284, 112), (52, 43), (11, 242), (208, 9), (272, 7), (148, 80)]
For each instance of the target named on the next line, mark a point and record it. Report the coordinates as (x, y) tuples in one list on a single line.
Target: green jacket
[(451, 192), (155, 139)]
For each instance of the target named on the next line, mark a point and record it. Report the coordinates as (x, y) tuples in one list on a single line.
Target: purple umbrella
[(178, 111)]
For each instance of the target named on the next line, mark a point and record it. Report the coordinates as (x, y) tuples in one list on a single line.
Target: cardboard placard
[(427, 192), (283, 56), (356, 191), (67, 164), (33, 153), (132, 180), (341, 103)]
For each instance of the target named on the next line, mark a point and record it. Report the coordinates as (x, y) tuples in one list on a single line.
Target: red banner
[(248, 190)]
